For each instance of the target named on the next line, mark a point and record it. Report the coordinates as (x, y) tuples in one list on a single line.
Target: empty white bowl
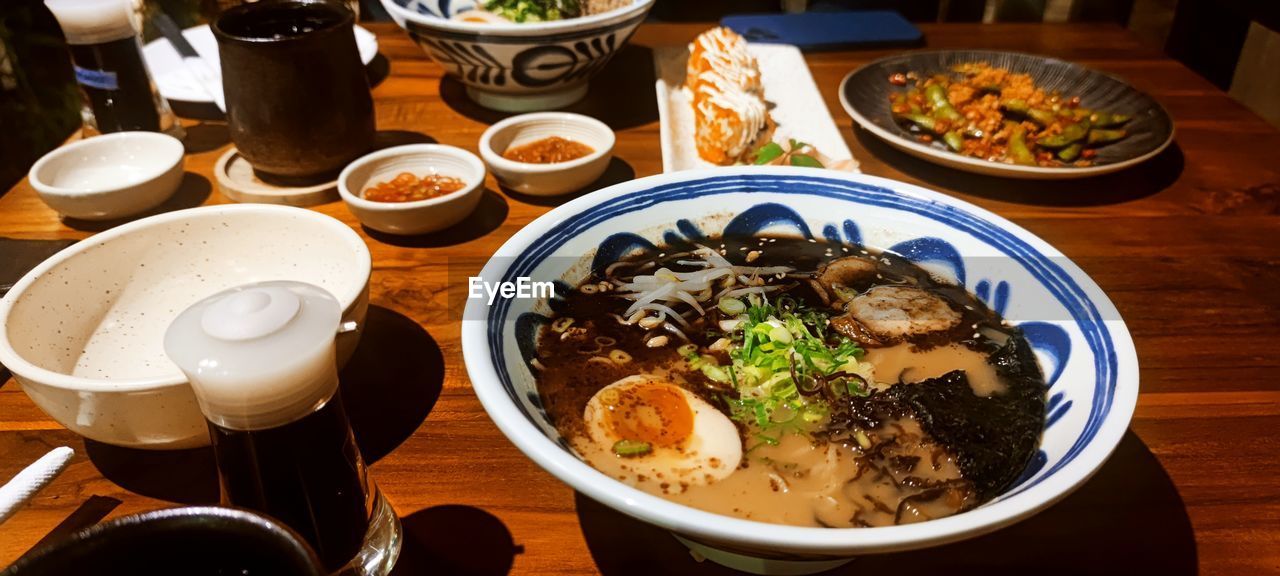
[(109, 176), (418, 216), (83, 332), (547, 179)]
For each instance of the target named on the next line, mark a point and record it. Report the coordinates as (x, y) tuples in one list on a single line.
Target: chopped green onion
[(732, 306), (780, 334), (770, 440), (715, 373), (631, 448)]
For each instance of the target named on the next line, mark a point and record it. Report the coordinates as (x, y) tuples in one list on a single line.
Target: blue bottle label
[(100, 79)]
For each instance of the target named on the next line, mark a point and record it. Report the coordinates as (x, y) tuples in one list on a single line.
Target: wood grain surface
[(1187, 246)]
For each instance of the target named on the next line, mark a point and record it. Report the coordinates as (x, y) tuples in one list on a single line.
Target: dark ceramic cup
[(201, 541), (298, 102)]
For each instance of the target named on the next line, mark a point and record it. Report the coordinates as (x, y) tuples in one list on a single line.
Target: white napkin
[(29, 481)]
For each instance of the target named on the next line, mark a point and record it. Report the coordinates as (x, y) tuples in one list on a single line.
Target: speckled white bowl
[(83, 331), (547, 179)]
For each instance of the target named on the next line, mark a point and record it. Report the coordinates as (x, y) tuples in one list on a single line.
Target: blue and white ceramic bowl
[(518, 67), (1079, 338)]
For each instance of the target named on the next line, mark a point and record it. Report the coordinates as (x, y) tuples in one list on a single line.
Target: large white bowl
[(1079, 337), (83, 331), (518, 67), (109, 176)]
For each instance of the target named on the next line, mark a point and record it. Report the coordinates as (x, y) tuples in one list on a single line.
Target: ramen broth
[(855, 382)]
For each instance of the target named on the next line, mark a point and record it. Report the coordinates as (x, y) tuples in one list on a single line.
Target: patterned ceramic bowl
[(1079, 338), (518, 67)]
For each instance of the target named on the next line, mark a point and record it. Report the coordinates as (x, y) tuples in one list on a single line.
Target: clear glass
[(309, 475), (116, 88), (261, 359), (168, 121)]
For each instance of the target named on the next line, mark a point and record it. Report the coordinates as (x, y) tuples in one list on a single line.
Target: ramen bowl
[(83, 332), (518, 67), (1078, 337)]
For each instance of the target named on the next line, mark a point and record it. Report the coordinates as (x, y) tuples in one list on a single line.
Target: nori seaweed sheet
[(993, 438)]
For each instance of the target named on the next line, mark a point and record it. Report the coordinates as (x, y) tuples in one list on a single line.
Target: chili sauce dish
[(413, 189), (547, 153)]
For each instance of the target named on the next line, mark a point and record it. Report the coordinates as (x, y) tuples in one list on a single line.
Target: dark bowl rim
[(261, 524), (1009, 169), (347, 20)]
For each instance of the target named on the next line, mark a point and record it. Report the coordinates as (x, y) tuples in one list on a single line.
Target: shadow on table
[(192, 192), (388, 387), (1133, 183), (618, 171), (390, 138), (206, 136), (182, 476), (1128, 518), (455, 540), (377, 70), (391, 382), (630, 72), (487, 217)]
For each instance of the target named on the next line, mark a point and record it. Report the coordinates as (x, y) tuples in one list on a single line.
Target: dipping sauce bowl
[(417, 216), (547, 179)]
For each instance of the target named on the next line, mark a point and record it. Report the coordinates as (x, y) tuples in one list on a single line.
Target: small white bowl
[(110, 176), (419, 216), (83, 332), (547, 179)]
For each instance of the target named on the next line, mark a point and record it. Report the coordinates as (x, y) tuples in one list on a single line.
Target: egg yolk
[(657, 414)]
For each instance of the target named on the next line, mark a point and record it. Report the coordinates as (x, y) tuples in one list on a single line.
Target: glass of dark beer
[(261, 360), (115, 83)]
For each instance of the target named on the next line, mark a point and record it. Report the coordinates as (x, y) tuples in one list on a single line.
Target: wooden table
[(1187, 246)]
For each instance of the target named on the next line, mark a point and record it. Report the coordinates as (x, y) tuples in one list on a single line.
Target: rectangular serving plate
[(795, 105)]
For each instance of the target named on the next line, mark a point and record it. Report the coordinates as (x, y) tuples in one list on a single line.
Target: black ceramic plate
[(864, 93)]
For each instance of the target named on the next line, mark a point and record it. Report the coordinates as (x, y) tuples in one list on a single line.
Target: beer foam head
[(93, 21), (260, 355)]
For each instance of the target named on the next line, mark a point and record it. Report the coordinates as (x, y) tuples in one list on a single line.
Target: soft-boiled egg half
[(643, 430)]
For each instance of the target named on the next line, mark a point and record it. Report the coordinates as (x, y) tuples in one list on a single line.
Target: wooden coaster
[(237, 181)]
